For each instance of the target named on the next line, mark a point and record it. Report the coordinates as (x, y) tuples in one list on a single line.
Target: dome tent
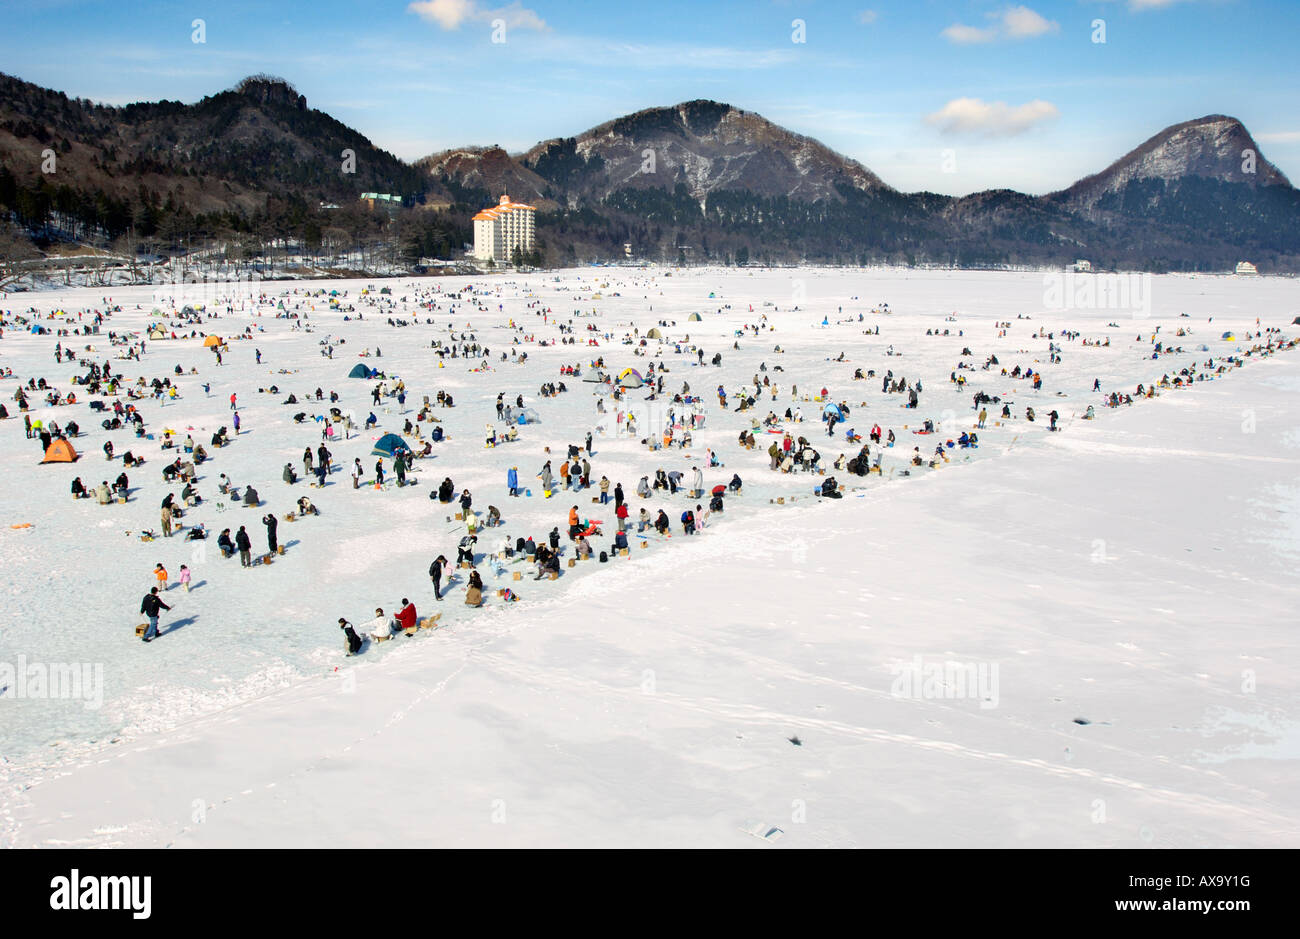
[(833, 408), (388, 444), (212, 340), (529, 416), (158, 332), (359, 371), (654, 334), (60, 451), (631, 378), (595, 375), (695, 318)]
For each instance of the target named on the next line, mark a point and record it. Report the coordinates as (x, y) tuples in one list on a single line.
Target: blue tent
[(359, 371), (389, 444), (833, 408), (1227, 335)]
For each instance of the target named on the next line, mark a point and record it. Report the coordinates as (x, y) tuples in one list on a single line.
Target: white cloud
[(992, 119), (969, 35), (1011, 23), (1024, 23), (867, 17), (452, 14), (1281, 136)]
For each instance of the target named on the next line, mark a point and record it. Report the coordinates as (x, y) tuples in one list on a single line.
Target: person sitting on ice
[(305, 507), (407, 618), (381, 627)]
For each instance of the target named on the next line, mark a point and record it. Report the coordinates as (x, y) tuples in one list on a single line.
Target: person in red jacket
[(621, 512), (406, 618)]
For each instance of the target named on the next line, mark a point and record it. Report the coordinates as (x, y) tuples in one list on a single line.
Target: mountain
[(254, 157), (706, 146), (697, 181), (478, 175), (1201, 190), (1217, 148)]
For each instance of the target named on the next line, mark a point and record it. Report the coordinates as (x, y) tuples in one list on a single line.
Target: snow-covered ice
[(1083, 638)]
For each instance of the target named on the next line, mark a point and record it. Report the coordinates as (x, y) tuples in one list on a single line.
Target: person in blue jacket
[(512, 480)]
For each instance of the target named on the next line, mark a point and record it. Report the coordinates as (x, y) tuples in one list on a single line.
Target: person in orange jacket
[(161, 573)]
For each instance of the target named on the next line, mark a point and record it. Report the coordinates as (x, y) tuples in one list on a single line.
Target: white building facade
[(502, 228)]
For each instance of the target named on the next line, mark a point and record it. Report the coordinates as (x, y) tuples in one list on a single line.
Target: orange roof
[(502, 207)]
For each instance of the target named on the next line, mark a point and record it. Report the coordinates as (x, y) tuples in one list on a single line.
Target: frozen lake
[(1075, 638)]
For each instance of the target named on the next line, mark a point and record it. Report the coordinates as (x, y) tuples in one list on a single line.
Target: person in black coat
[(245, 545), (149, 607), (435, 575), (353, 640), (271, 524)]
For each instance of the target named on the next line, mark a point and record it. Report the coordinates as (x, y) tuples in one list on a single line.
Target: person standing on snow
[(697, 483), (271, 524), (512, 480), (150, 607), (245, 546), (435, 574)]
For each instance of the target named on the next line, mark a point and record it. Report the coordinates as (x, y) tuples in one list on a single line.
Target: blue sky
[(952, 96)]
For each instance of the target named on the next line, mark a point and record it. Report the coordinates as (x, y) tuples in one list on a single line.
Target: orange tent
[(60, 451), (212, 341)]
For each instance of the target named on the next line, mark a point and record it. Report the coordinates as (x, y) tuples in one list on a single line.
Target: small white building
[(1082, 267), (1246, 269), (502, 228)]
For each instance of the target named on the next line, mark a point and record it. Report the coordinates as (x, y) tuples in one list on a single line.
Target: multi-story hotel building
[(501, 229)]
